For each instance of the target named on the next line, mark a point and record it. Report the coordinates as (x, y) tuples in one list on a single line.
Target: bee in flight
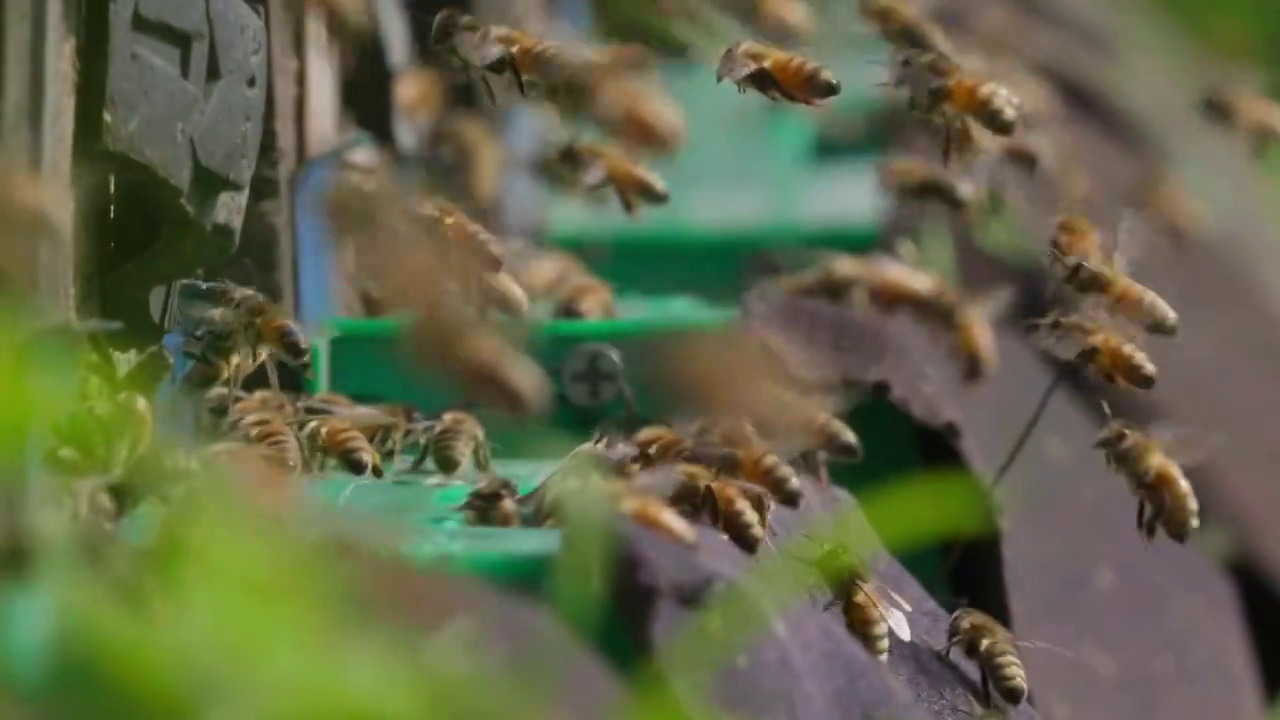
[(1119, 294), (871, 611), (489, 49), (904, 26), (915, 178), (596, 166), (1108, 352), (1146, 460), (492, 503), (573, 290), (1253, 115), (777, 74), (941, 88)]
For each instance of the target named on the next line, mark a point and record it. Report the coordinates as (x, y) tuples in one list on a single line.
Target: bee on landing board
[(333, 437), (993, 648), (492, 503), (1146, 460), (596, 166), (453, 439), (732, 507), (776, 74), (870, 610), (1105, 350), (944, 90)]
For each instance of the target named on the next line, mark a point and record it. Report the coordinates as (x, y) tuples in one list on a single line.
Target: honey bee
[(755, 463), (418, 96), (249, 323), (454, 438), (824, 432), (597, 166), (776, 74), (918, 179), (1114, 358), (1167, 200), (888, 284), (788, 18), (993, 648), (468, 142), (1255, 116), (334, 437), (868, 617), (489, 369), (941, 88), (541, 273), (904, 26), (1122, 295), (1076, 237), (658, 516), (1153, 475), (492, 503), (486, 48), (586, 297), (478, 250), (269, 431), (726, 505), (568, 284), (637, 114)]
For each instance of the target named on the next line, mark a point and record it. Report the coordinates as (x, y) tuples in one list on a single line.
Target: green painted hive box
[(747, 181)]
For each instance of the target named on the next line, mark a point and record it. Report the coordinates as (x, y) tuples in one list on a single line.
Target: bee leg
[(273, 375), (421, 458), (986, 687), (1142, 515), (628, 204), (945, 650)]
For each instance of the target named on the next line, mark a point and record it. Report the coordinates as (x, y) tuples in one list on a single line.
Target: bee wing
[(896, 618), (734, 67), (595, 175), (995, 303), (1043, 646), (477, 48), (1061, 345), (1186, 446)]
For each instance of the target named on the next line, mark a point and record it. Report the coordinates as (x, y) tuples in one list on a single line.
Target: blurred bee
[(904, 26), (888, 284), (776, 74), (269, 431), (658, 516), (489, 369), (1076, 237), (822, 431), (868, 617), (638, 114), (1253, 115), (993, 648), (918, 179), (492, 503), (467, 143), (727, 505), (586, 297), (477, 250), (451, 440), (1166, 199), (1114, 358), (484, 48), (596, 166), (1122, 295), (571, 287), (353, 17), (418, 98), (942, 89), (1153, 475), (792, 19), (337, 438)]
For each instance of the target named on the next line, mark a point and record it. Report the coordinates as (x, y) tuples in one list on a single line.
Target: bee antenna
[(1106, 409)]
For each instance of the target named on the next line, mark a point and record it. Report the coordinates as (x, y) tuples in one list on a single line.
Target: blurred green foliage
[(1241, 30)]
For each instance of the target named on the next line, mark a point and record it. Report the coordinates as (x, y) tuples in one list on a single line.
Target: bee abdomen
[(742, 525), (450, 448), (1008, 676), (997, 109), (780, 479), (804, 79), (864, 622)]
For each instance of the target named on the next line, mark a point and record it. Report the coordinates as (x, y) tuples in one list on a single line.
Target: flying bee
[(475, 46), (1145, 459), (1103, 349), (868, 615), (418, 97), (918, 179), (658, 516), (776, 74), (821, 431), (638, 114), (1253, 115), (543, 272), (334, 437), (1076, 237), (453, 439), (941, 88), (597, 166), (904, 26), (586, 297), (1121, 294), (788, 18), (468, 144), (726, 432), (492, 503), (725, 504), (992, 647)]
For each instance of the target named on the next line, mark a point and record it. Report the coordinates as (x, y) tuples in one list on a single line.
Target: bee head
[(827, 86), (962, 622), (729, 62), (1216, 105), (447, 24), (1115, 434)]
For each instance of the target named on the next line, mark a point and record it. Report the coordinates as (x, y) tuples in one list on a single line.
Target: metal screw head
[(592, 375)]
